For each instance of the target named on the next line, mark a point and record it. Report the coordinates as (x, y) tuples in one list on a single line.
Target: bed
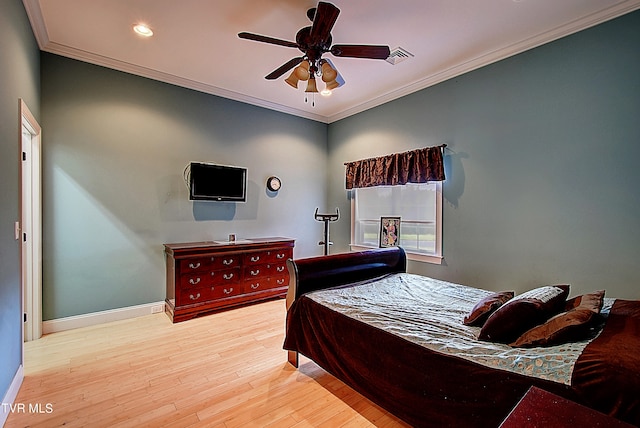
[(364, 319)]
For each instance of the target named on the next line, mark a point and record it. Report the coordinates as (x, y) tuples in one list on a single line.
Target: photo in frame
[(389, 231)]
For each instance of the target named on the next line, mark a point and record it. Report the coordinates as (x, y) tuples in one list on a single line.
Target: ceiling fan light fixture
[(311, 85), (326, 92), (302, 71), (292, 80), (329, 74), (332, 85)]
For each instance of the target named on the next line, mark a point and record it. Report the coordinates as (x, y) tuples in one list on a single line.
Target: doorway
[(30, 230)]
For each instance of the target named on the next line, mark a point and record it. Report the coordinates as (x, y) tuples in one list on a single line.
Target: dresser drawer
[(209, 293), (196, 295), (280, 255), (255, 258), (278, 269), (210, 263), (253, 272), (194, 280), (269, 256), (280, 281), (262, 284), (195, 264), (225, 276), (225, 290), (260, 271), (225, 261)]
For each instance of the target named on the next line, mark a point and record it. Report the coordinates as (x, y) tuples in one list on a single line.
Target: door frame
[(29, 230)]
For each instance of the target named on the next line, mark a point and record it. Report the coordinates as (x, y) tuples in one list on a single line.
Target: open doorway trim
[(30, 230)]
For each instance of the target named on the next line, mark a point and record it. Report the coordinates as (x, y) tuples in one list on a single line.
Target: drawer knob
[(194, 281), (228, 291), (255, 272), (255, 286), (194, 265), (255, 258), (281, 255), (280, 268), (196, 297), (227, 275), (280, 281), (227, 262)]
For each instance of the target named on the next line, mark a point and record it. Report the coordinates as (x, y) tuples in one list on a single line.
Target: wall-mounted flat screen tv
[(211, 182)]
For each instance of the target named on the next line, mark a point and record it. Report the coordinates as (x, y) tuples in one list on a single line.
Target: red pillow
[(573, 325), (591, 301), (524, 312), (486, 307)]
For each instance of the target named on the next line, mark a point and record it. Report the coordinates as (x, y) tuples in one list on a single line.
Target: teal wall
[(115, 149), (19, 78), (543, 163)]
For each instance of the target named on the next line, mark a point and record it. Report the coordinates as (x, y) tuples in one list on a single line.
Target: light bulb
[(143, 29)]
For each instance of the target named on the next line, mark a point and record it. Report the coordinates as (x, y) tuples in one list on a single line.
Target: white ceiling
[(195, 44)]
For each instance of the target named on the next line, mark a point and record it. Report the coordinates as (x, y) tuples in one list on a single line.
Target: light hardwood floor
[(224, 370)]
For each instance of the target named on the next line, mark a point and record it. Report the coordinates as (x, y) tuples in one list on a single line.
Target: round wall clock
[(274, 183)]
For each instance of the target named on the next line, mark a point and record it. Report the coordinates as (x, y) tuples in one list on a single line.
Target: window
[(418, 205)]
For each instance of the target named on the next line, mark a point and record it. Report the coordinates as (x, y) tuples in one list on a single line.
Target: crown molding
[(137, 70), (39, 28), (34, 13), (495, 56)]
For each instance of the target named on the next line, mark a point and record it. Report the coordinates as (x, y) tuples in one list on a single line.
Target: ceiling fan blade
[(284, 68), (266, 39), (323, 21), (361, 51)]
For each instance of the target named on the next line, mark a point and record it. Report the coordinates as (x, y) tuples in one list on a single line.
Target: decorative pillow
[(524, 312), (486, 307), (570, 326), (592, 301)]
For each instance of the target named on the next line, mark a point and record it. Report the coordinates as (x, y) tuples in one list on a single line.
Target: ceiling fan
[(313, 42)]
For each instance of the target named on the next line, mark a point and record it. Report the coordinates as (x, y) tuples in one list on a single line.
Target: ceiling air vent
[(398, 55)]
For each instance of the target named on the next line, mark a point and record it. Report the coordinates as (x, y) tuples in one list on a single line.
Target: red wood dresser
[(203, 277)]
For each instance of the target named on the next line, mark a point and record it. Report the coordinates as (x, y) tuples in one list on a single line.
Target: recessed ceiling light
[(143, 30)]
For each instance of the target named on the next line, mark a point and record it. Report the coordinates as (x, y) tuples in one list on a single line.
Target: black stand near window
[(326, 218)]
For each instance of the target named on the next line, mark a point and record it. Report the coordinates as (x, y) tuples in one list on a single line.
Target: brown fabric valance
[(415, 166)]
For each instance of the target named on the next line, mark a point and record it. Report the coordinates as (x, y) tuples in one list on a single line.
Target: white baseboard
[(11, 395), (95, 318)]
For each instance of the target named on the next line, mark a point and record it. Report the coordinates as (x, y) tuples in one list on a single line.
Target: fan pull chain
[(313, 99)]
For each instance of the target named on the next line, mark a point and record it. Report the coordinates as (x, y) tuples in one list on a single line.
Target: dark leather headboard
[(316, 273)]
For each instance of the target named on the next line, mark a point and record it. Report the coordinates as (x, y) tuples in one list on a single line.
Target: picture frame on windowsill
[(389, 232)]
